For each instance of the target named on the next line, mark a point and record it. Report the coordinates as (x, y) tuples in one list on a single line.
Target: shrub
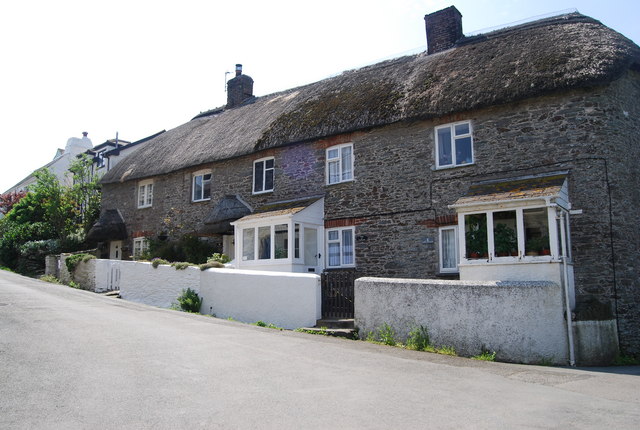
[(180, 265), (418, 338), (486, 355), (189, 301), (211, 264), (72, 261), (158, 261), (50, 278), (387, 335), (220, 258)]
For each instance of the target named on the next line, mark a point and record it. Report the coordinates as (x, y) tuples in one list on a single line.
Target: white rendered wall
[(521, 321), (540, 271), (140, 282), (288, 300)]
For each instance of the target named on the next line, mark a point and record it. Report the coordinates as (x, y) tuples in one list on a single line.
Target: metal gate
[(337, 293)]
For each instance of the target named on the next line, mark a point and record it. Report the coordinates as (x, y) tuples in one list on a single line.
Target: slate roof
[(281, 208), (512, 189), (554, 54)]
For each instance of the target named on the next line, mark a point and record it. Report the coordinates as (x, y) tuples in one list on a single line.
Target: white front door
[(115, 250), (311, 252)]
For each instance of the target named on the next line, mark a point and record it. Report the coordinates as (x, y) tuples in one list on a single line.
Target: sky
[(136, 67)]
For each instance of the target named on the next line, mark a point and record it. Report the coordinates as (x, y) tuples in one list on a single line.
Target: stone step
[(336, 323), (335, 332)]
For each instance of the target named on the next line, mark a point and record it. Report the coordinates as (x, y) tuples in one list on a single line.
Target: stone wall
[(521, 321)]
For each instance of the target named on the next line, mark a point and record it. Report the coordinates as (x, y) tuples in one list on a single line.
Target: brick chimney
[(444, 28), (239, 89)]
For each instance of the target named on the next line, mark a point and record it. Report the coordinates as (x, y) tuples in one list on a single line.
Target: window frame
[(146, 195), (456, 251), (451, 127), (202, 174), (340, 163), (264, 175), (143, 246), (340, 231)]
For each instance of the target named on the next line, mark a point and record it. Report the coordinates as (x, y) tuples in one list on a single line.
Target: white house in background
[(59, 166)]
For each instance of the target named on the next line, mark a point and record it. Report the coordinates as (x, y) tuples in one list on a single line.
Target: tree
[(8, 200), (85, 193)]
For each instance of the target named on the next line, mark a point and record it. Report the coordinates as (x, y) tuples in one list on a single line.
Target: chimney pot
[(238, 69), (84, 134), (444, 29)]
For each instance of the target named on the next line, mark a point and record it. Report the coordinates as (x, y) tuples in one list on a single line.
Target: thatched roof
[(554, 54), (110, 226)]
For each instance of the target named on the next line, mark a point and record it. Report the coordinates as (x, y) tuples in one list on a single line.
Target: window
[(268, 235), (99, 159), (340, 252), (340, 163), (511, 234), (263, 175), (454, 145), (140, 246), (448, 249), (145, 193), (201, 186)]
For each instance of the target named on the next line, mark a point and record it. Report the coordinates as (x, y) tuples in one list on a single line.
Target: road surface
[(73, 359)]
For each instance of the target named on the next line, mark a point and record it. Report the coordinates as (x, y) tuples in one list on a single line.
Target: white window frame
[(100, 161), (452, 128), (341, 166), (456, 251), (264, 175), (201, 174), (341, 246), (553, 235), (144, 194), (140, 246)]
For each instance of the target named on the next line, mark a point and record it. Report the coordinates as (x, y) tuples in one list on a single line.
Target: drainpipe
[(565, 282)]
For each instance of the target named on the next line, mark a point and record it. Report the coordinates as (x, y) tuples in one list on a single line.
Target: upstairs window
[(454, 145), (99, 159), (201, 189), (340, 249), (145, 193), (263, 175), (340, 163)]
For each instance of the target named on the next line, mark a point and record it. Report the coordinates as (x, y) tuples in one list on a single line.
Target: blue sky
[(139, 66)]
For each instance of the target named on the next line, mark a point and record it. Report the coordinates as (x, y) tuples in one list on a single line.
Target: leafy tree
[(8, 200), (85, 193)]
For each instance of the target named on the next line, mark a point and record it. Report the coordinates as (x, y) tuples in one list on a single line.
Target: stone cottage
[(505, 155)]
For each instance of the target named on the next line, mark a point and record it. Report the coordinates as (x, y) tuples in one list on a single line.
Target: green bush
[(180, 265), (219, 258), (187, 248), (418, 338), (72, 261), (211, 265), (189, 301), (50, 278), (158, 261)]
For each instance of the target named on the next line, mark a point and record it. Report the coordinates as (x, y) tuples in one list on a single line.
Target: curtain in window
[(334, 174), (448, 238), (264, 243), (248, 235), (334, 254), (347, 247), (346, 163)]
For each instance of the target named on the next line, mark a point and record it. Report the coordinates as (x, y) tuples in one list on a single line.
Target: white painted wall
[(289, 300), (521, 321), (140, 282), (549, 270)]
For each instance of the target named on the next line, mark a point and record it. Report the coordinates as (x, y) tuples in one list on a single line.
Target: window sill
[(341, 182), (510, 261), (201, 200), (459, 166), (145, 207), (261, 192)]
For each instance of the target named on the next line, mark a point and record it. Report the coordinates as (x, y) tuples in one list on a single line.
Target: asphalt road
[(74, 359)]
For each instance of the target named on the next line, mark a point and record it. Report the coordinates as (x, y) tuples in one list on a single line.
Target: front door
[(115, 250), (311, 252)]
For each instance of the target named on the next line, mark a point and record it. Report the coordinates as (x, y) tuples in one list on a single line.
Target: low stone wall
[(83, 275), (521, 321), (289, 300), (161, 286)]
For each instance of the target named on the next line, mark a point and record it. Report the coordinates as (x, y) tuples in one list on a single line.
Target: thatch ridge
[(555, 54)]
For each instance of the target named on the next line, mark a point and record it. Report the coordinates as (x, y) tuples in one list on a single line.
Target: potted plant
[(476, 236), (544, 246), (504, 240), (538, 246)]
